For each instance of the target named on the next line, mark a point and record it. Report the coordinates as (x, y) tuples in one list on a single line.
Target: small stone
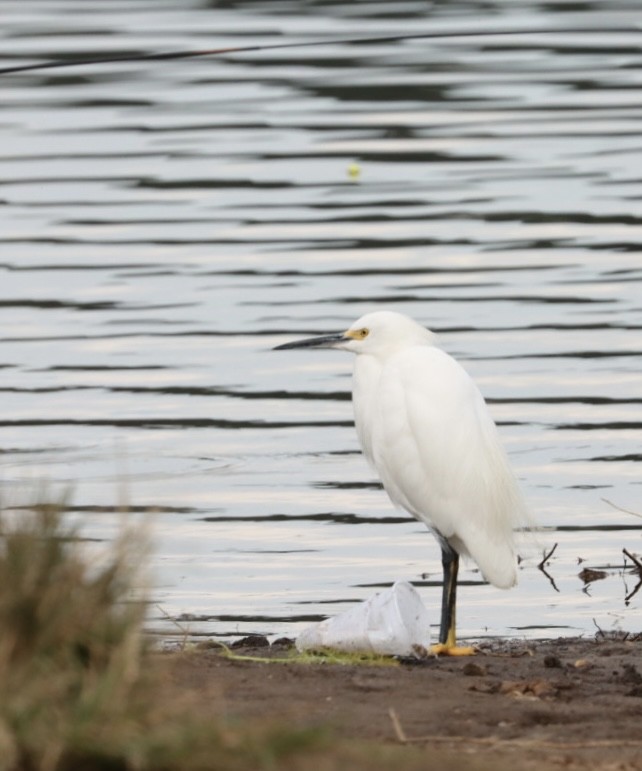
[(285, 643), (472, 669), (552, 662), (583, 664), (542, 688), (252, 641)]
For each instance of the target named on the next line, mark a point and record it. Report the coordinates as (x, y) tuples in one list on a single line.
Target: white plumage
[(425, 427)]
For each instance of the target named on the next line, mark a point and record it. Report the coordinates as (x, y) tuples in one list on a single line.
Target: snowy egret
[(424, 426)]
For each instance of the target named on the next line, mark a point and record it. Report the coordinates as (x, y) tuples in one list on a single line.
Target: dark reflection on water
[(335, 517), (180, 422), (163, 225)]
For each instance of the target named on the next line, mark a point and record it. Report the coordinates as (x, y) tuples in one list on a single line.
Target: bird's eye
[(363, 333)]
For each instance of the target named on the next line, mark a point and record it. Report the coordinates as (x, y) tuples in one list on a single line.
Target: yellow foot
[(443, 649)]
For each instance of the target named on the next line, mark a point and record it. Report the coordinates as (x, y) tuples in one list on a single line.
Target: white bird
[(424, 426)]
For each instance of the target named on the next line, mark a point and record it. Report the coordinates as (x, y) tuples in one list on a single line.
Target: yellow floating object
[(354, 171)]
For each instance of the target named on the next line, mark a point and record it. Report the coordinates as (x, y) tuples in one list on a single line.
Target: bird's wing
[(439, 456)]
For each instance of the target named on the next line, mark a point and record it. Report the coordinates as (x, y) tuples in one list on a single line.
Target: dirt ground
[(566, 703)]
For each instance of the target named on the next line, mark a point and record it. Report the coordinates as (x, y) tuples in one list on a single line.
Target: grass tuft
[(79, 688), (321, 656)]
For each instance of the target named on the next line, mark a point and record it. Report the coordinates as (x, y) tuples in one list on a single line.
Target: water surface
[(163, 225)]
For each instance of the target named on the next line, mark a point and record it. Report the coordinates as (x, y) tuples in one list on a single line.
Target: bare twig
[(182, 629), (600, 631), (638, 566), (396, 724), (542, 564), (634, 560), (493, 741), (619, 508), (546, 557), (632, 593)]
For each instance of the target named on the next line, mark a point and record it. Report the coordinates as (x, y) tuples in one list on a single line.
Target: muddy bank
[(566, 702)]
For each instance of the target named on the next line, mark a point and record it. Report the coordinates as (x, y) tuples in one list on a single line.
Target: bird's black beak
[(326, 341)]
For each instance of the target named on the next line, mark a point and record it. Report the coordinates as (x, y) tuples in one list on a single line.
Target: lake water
[(164, 224)]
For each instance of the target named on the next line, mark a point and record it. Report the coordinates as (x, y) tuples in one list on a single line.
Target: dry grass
[(78, 688)]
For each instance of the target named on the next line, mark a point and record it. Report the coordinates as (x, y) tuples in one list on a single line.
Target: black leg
[(450, 563)]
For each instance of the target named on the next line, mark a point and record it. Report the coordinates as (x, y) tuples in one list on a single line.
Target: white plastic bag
[(393, 623)]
